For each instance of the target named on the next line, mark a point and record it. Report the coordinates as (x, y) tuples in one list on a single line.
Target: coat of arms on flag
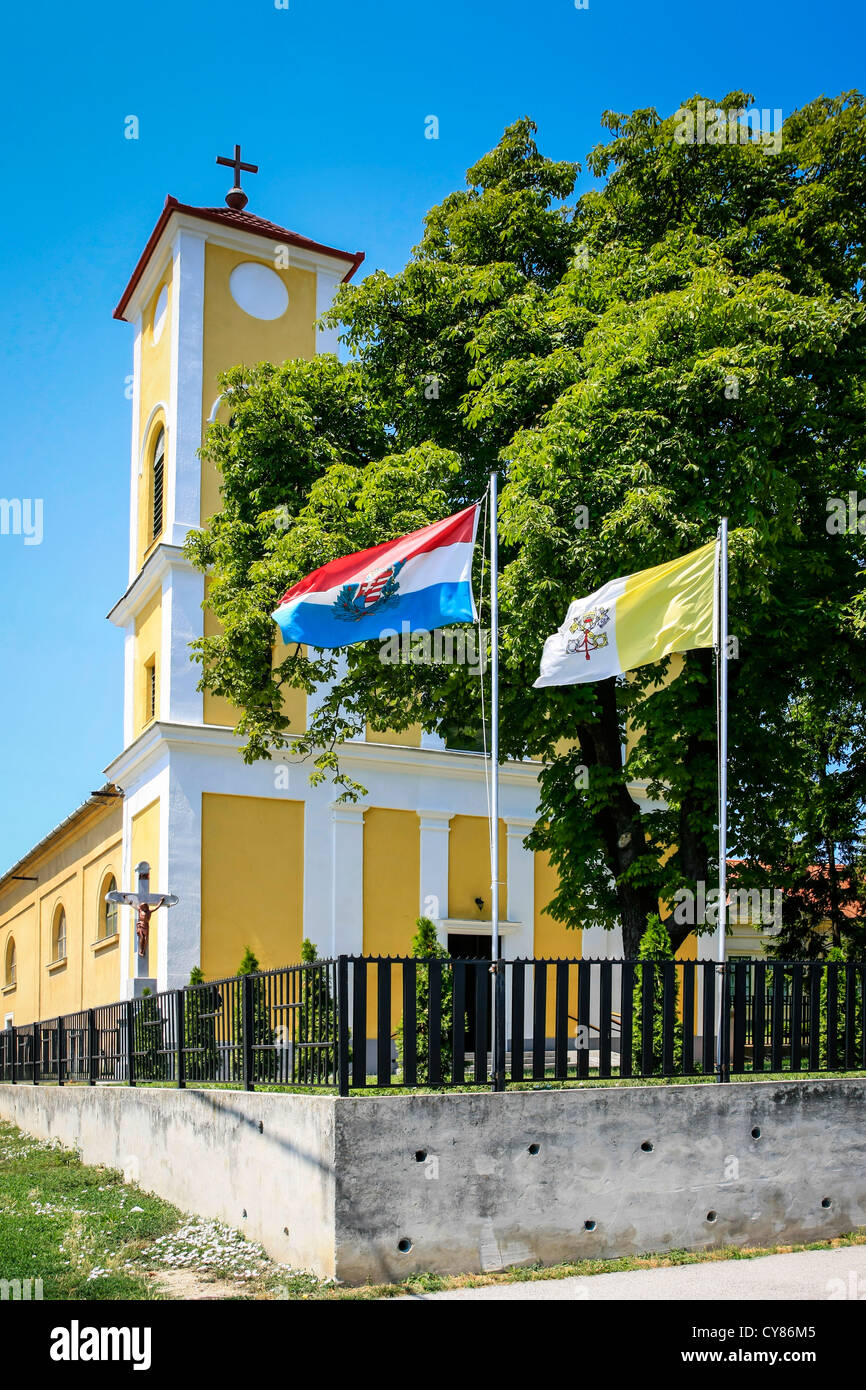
[(590, 637), (355, 601)]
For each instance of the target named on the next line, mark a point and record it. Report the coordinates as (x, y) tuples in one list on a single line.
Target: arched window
[(9, 973), (108, 915), (157, 485), (58, 934)]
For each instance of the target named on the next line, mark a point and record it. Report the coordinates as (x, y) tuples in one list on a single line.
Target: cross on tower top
[(236, 197)]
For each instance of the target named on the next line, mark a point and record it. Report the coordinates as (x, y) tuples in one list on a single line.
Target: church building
[(256, 856)]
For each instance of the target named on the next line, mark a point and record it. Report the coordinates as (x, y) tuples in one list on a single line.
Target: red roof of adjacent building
[(240, 221)]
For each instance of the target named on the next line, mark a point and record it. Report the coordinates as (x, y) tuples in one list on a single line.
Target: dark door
[(475, 948)]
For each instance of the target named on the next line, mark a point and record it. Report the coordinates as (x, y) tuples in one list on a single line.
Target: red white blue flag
[(423, 580)]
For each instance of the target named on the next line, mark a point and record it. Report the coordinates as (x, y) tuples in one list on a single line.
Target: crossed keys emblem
[(588, 627)]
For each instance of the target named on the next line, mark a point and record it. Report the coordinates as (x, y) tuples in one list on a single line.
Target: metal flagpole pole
[(722, 657), (498, 1019)]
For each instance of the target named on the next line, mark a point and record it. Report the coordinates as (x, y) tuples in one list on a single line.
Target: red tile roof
[(240, 221)]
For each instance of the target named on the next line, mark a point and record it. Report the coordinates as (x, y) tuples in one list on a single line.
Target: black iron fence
[(360, 1022)]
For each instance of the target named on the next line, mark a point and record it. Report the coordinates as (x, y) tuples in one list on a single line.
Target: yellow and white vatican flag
[(633, 621)]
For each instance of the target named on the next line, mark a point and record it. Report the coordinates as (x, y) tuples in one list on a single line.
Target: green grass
[(73, 1227)]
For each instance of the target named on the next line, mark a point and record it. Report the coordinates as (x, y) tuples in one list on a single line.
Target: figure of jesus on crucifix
[(144, 903)]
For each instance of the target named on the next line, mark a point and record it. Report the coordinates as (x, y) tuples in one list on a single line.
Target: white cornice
[(217, 740), (149, 578), (233, 239)]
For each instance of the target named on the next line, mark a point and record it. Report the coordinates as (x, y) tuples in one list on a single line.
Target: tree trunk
[(619, 822)]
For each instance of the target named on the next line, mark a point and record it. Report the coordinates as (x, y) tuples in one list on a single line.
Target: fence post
[(343, 1025), (247, 1029), (179, 1011), (130, 1042), (499, 1026), (91, 1047), (37, 1051), (61, 1034), (12, 1067), (723, 1069)]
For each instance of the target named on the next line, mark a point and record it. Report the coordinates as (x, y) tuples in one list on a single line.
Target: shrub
[(425, 947), (837, 957), (655, 949), (316, 1022), (201, 1004)]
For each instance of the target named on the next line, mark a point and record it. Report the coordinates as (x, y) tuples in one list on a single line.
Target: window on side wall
[(58, 935), (108, 911)]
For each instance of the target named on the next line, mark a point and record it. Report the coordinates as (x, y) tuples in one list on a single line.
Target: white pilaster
[(599, 944), (180, 926), (128, 683), (318, 855), (347, 879), (136, 449), (322, 691), (327, 339), (182, 622), (187, 339), (435, 832), (521, 887)]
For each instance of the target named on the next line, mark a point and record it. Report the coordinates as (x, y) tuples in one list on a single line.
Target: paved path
[(808, 1274)]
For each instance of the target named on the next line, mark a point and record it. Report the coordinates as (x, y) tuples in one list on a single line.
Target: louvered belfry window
[(158, 484)]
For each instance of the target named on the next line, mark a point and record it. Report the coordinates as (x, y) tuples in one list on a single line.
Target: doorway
[(476, 947)]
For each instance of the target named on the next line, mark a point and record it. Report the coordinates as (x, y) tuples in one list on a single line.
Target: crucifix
[(236, 197), (145, 903)]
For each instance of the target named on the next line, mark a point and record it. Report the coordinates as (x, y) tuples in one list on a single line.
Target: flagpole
[(498, 1021), (722, 657)]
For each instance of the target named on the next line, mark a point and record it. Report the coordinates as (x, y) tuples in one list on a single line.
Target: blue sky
[(329, 98)]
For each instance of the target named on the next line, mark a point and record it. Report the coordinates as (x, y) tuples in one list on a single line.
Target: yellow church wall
[(252, 881), (405, 738), (392, 841), (469, 869), (232, 337), (155, 384), (145, 847), (148, 642), (67, 871)]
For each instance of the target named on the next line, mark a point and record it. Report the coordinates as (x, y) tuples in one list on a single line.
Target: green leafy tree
[(838, 958), (655, 950), (425, 947), (264, 1064), (682, 342)]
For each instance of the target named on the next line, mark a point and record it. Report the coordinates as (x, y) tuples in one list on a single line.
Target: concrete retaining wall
[(382, 1187), (261, 1162)]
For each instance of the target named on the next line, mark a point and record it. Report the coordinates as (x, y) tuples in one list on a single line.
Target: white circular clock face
[(159, 314), (258, 290)]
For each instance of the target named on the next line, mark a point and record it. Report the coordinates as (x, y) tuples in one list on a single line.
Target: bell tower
[(214, 287)]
